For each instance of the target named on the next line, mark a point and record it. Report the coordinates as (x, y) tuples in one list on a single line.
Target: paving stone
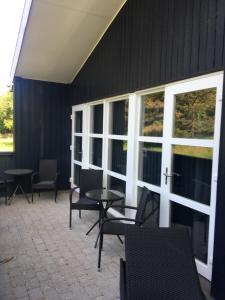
[(52, 262)]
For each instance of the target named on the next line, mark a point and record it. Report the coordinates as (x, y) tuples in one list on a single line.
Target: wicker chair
[(114, 226), (89, 180), (47, 177), (159, 265)]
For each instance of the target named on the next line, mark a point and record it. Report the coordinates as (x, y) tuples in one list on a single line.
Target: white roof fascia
[(24, 19)]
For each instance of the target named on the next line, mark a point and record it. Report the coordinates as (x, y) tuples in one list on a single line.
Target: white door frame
[(166, 195)]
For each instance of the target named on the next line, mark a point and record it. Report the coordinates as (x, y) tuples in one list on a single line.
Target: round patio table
[(18, 175), (105, 198)]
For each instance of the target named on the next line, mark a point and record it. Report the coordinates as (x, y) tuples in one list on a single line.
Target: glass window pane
[(150, 158), (78, 148), (152, 114), (96, 155), (78, 121), (7, 120), (118, 156), (153, 220), (76, 174), (120, 117), (192, 169), (97, 119), (198, 226), (118, 185), (195, 114)]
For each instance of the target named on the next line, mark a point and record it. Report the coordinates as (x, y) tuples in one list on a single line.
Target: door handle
[(167, 175)]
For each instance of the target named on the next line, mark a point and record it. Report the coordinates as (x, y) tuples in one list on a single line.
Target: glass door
[(190, 162), (77, 148)]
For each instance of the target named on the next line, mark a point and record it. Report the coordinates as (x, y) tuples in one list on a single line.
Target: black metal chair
[(114, 226), (159, 265), (89, 180), (46, 178)]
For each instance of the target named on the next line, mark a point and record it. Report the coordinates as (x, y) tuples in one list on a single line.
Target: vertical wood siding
[(152, 42), (42, 127)]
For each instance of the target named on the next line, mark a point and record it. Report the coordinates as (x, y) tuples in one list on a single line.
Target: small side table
[(105, 198), (18, 175)]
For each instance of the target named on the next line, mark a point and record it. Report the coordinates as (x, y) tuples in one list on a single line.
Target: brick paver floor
[(50, 261)]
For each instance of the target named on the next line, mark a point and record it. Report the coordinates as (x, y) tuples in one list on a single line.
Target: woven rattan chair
[(114, 226), (46, 178), (159, 265), (89, 180)]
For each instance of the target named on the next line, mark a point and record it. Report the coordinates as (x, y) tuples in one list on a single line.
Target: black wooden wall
[(152, 42), (42, 127)]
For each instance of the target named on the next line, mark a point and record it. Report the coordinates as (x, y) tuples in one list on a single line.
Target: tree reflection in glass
[(152, 114), (195, 114)]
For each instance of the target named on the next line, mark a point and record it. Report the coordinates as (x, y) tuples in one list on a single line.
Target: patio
[(49, 260)]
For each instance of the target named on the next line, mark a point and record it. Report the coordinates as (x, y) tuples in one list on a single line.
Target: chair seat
[(116, 228), (85, 204), (48, 184)]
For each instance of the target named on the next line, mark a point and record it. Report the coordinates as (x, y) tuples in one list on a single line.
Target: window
[(6, 122)]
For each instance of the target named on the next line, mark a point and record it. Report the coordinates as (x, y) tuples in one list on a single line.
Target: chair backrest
[(47, 169), (160, 265), (90, 180), (148, 207)]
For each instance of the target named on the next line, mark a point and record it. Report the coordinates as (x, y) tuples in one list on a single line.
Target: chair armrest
[(71, 192), (121, 206), (118, 219), (35, 174)]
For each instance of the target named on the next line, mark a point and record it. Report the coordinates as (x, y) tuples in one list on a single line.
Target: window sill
[(7, 153)]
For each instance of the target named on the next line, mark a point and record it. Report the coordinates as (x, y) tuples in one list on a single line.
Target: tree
[(6, 113)]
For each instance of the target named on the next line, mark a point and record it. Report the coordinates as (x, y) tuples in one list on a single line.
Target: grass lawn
[(6, 143)]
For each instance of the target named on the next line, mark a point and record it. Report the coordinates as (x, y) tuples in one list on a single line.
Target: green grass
[(6, 143)]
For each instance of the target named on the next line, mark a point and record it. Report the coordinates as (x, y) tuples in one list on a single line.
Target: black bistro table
[(18, 175), (105, 198)]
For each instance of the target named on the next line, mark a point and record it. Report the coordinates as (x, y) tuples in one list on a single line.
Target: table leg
[(103, 216), (14, 194), (92, 227), (24, 193)]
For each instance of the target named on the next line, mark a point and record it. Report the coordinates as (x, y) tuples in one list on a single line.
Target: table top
[(104, 195), (18, 172)]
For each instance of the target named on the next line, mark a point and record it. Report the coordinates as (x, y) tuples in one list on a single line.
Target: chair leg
[(79, 213), (119, 238), (100, 251), (6, 198), (70, 219), (32, 196), (55, 194), (39, 194)]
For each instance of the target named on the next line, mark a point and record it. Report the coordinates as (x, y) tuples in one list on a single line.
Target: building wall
[(153, 42), (42, 127)]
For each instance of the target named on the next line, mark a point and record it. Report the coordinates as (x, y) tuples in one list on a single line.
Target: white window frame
[(134, 138)]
